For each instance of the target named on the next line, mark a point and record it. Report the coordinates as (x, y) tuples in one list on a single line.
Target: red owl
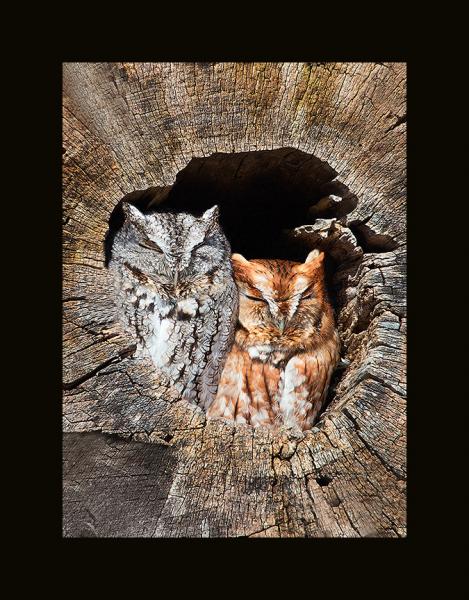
[(286, 345)]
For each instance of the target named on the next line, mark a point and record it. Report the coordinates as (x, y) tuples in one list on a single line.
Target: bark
[(137, 460)]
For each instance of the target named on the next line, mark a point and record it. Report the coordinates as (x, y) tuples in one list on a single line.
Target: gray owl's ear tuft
[(211, 216), (132, 213)]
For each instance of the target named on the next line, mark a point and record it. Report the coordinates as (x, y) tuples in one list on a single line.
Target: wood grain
[(171, 473)]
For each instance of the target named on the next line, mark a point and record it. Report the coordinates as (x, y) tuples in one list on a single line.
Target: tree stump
[(298, 155)]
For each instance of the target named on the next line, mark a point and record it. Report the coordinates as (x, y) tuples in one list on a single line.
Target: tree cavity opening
[(274, 204), (262, 195)]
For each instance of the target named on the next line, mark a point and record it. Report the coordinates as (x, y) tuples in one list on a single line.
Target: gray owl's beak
[(176, 275)]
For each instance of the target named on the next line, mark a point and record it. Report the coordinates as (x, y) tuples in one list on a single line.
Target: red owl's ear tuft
[(313, 263), (239, 259), (241, 268), (315, 256)]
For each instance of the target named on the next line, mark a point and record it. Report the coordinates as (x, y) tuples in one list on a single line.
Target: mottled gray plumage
[(177, 295)]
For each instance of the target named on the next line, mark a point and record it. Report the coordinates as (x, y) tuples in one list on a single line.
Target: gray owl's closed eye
[(177, 296)]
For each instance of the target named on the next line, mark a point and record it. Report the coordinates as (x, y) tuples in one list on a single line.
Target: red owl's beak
[(281, 325)]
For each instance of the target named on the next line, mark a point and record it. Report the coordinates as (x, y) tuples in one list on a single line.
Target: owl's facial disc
[(274, 293), (178, 249)]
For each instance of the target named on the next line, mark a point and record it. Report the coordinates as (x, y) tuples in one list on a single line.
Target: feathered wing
[(305, 384), (232, 400), (217, 328), (248, 390)]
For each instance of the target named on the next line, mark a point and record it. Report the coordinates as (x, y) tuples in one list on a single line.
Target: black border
[(424, 510)]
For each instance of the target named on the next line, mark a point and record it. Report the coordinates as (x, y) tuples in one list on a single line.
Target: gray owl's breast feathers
[(176, 295)]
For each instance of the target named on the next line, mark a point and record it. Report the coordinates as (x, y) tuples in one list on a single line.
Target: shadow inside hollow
[(260, 194)]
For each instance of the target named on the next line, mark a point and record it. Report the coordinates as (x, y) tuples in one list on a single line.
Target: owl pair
[(249, 341)]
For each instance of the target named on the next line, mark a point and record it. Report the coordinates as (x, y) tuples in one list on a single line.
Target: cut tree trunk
[(139, 461)]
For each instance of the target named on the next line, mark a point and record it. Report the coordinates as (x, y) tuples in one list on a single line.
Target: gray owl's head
[(171, 248)]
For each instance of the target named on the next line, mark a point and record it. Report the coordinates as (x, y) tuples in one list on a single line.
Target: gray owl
[(177, 296)]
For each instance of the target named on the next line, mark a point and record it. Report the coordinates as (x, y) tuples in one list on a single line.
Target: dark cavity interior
[(261, 196)]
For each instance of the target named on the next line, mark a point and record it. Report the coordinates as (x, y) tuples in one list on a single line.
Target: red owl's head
[(280, 294)]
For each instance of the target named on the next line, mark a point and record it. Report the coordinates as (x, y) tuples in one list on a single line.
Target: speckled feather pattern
[(177, 296), (286, 345)]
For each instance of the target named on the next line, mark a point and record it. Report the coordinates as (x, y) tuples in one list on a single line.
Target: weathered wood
[(134, 126)]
